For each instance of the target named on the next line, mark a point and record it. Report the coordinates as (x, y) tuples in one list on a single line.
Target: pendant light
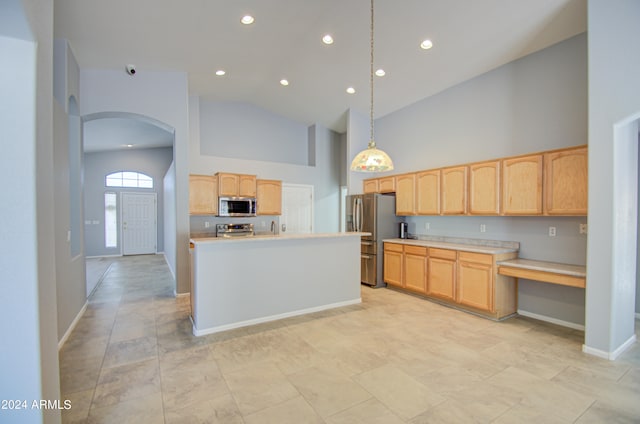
[(371, 159)]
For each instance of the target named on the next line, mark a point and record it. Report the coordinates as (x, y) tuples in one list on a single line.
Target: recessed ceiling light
[(129, 145), (327, 39), (247, 19), (351, 90), (380, 72), (220, 72), (426, 45), (284, 82)]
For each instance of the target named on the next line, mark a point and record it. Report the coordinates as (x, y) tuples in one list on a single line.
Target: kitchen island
[(244, 281)]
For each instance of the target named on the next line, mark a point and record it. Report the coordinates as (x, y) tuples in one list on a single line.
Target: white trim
[(612, 356), (102, 256), (246, 323), (164, 255), (75, 321), (551, 320)]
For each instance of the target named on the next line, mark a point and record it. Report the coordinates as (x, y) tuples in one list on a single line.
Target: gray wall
[(244, 131), (29, 356), (153, 162), (324, 174), (533, 104), (169, 185), (614, 103)]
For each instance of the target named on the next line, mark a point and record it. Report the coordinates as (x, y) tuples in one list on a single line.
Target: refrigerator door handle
[(360, 216)]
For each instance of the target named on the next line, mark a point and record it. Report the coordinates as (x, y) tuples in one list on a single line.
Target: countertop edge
[(546, 266), (209, 240), (453, 246)]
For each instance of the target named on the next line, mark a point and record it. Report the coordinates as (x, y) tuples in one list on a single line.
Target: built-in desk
[(548, 272)]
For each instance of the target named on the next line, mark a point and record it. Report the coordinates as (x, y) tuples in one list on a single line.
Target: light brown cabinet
[(428, 192), (234, 185), (566, 182), (387, 184), (392, 272), (405, 195), (522, 185), (370, 186), (475, 280), (484, 188), (453, 192), (269, 197), (203, 194), (415, 268), (442, 273)]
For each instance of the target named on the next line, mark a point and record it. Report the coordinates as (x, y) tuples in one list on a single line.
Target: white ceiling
[(470, 37)]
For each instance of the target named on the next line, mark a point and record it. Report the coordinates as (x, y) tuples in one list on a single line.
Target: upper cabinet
[(387, 184), (203, 194), (565, 182), (405, 194), (453, 193), (428, 192), (484, 188), (522, 185), (269, 197), (236, 185), (370, 186)]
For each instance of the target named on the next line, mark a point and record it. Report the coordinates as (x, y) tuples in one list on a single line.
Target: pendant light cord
[(372, 143)]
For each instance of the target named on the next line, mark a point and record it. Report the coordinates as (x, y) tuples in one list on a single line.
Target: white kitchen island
[(244, 281)]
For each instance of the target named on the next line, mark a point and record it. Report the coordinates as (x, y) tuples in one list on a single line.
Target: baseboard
[(551, 320), (239, 324), (75, 321), (612, 356), (170, 269)]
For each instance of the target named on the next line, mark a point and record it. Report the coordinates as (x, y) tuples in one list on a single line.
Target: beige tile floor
[(393, 359)]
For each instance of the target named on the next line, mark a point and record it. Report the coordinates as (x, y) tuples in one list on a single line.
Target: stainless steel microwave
[(236, 206)]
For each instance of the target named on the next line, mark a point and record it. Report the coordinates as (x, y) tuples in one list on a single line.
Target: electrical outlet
[(552, 231), (427, 226), (583, 228), (483, 228), (206, 224)]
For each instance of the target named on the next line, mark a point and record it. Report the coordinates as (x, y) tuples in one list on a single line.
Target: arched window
[(129, 179)]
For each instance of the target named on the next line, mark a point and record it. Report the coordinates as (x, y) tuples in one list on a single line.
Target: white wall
[(169, 186), (533, 104), (162, 96), (324, 176), (614, 100), (28, 354)]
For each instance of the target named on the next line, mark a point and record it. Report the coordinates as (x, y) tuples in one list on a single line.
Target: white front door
[(138, 223), (297, 209)]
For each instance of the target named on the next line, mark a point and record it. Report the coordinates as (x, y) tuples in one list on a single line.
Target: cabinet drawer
[(415, 250), (442, 253), (393, 247), (480, 258)]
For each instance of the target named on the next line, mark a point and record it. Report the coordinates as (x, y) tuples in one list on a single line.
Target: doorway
[(297, 209), (139, 228)]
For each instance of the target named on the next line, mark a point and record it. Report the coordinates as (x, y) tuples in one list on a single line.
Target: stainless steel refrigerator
[(375, 214)]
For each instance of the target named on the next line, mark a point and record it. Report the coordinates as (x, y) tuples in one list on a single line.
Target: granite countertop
[(554, 267), (490, 247), (282, 236)]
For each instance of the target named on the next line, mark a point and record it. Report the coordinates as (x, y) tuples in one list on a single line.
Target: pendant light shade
[(371, 159)]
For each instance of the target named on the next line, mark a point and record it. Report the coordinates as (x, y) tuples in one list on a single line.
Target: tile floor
[(393, 359)]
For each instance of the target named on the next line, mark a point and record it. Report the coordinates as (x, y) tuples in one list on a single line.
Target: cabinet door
[(405, 194), (228, 184), (246, 185), (484, 188), (565, 182), (415, 269), (475, 284), (370, 186), (522, 185), (454, 190), (203, 197), (428, 192), (442, 277), (387, 184), (392, 267), (269, 197)]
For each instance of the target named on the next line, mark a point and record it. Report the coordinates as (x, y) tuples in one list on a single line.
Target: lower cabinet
[(467, 280), (442, 273)]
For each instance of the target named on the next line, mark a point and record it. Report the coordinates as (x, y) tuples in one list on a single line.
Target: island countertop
[(274, 237)]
